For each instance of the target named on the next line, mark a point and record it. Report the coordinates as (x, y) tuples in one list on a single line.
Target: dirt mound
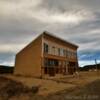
[(10, 88)]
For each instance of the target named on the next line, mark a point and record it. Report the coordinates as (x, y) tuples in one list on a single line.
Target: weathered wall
[(28, 61)]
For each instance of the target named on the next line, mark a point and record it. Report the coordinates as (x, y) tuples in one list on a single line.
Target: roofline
[(52, 35)]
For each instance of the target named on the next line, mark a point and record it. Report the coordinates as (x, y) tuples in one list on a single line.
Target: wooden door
[(51, 71)]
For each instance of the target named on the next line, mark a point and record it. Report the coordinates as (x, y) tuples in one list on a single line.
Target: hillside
[(90, 67), (6, 69)]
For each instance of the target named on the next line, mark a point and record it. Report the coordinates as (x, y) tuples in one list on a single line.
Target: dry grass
[(87, 83), (90, 91), (46, 86), (10, 88)]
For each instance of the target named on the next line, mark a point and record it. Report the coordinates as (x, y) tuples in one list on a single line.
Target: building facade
[(47, 55)]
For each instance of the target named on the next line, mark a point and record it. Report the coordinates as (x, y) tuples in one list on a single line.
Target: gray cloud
[(69, 5), (74, 20)]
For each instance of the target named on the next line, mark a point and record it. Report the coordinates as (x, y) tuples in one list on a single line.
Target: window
[(64, 52), (53, 50), (49, 50), (45, 48), (56, 51), (59, 51), (68, 53), (50, 62)]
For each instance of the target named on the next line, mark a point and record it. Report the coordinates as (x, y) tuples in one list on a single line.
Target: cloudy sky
[(77, 21)]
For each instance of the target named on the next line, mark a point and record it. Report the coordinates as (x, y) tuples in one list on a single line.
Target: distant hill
[(89, 67), (6, 69)]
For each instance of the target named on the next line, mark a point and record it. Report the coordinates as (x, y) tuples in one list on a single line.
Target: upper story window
[(53, 50), (64, 52), (56, 51), (70, 53), (46, 48), (59, 51)]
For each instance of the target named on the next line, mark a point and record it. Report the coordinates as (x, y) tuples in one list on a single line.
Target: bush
[(35, 89)]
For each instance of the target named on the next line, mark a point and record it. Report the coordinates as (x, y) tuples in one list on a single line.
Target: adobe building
[(47, 55)]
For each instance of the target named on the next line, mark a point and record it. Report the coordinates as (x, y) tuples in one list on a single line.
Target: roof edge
[(50, 34)]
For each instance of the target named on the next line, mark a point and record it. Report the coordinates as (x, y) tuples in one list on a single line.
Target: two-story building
[(47, 55)]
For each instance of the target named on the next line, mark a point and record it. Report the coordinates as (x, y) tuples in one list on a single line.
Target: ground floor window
[(50, 62), (54, 66)]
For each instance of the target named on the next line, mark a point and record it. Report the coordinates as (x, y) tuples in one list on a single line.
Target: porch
[(54, 67)]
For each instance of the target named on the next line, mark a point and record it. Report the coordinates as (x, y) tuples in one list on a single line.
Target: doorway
[(71, 67), (50, 66)]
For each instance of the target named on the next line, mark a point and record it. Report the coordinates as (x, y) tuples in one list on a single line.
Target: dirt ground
[(60, 87)]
